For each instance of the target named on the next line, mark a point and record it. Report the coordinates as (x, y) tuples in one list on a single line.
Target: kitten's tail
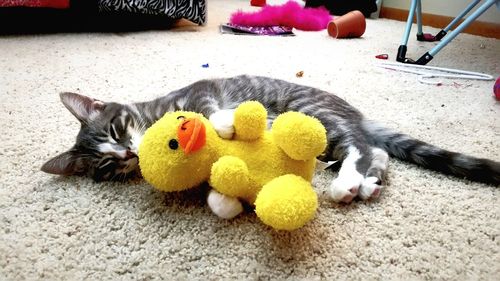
[(431, 157)]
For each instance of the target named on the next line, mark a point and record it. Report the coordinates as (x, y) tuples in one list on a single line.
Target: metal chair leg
[(419, 17), (401, 57), (444, 31), (427, 37), (430, 55), (421, 36)]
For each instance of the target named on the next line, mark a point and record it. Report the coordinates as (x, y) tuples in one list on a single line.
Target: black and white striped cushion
[(193, 10)]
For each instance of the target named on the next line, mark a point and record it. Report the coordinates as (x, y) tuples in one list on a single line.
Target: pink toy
[(289, 14), (59, 4), (496, 89)]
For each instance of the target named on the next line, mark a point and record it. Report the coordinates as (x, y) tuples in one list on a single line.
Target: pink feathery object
[(59, 4), (289, 14)]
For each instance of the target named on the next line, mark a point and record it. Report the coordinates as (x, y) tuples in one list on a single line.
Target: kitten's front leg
[(372, 184), (346, 186), (223, 122), (352, 181), (224, 206)]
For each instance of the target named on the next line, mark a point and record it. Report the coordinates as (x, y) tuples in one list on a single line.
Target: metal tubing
[(461, 15), (419, 17), (409, 22), (462, 26)]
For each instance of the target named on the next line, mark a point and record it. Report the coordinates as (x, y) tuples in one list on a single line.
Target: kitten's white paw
[(370, 188), (345, 187), (224, 206), (223, 122)]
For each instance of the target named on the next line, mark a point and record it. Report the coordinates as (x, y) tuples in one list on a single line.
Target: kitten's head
[(106, 146)]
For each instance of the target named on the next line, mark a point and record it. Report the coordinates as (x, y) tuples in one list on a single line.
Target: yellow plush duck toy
[(270, 168)]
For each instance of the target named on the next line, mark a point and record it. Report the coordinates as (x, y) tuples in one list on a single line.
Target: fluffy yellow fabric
[(286, 202), (232, 174), (250, 121), (256, 160), (170, 169), (299, 136)]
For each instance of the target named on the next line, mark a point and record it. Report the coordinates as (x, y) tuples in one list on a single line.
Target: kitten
[(106, 147)]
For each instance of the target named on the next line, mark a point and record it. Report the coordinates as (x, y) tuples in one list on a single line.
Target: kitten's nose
[(130, 154)]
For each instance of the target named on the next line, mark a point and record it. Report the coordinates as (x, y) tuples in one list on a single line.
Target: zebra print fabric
[(192, 10)]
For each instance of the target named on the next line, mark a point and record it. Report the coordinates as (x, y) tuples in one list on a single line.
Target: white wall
[(449, 8)]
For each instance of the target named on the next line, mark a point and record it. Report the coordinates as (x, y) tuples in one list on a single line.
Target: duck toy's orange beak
[(191, 134)]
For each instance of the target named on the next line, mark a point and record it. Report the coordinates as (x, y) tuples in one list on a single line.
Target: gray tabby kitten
[(106, 147)]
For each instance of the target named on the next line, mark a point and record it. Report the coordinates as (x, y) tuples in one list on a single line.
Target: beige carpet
[(424, 226)]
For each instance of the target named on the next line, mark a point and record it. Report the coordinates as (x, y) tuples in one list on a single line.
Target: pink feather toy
[(290, 14)]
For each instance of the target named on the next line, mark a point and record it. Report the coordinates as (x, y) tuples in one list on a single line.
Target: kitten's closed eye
[(114, 135), (119, 126), (124, 135)]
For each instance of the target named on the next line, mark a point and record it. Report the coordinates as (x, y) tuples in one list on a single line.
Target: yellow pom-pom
[(230, 176), (286, 203), (250, 120), (301, 137)]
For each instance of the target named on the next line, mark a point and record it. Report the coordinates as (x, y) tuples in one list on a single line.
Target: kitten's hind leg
[(375, 175), (346, 186)]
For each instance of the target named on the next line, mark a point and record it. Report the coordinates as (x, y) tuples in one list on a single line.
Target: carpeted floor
[(424, 226)]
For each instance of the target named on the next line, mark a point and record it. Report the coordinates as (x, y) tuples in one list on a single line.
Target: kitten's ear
[(81, 106), (67, 164)]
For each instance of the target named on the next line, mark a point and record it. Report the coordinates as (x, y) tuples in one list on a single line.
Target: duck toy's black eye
[(173, 144), (181, 117)]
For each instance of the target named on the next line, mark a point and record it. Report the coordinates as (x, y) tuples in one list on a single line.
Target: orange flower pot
[(350, 25)]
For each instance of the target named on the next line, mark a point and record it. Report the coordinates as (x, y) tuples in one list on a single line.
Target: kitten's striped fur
[(363, 144)]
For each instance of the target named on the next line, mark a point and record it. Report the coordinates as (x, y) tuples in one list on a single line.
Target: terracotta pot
[(350, 25)]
